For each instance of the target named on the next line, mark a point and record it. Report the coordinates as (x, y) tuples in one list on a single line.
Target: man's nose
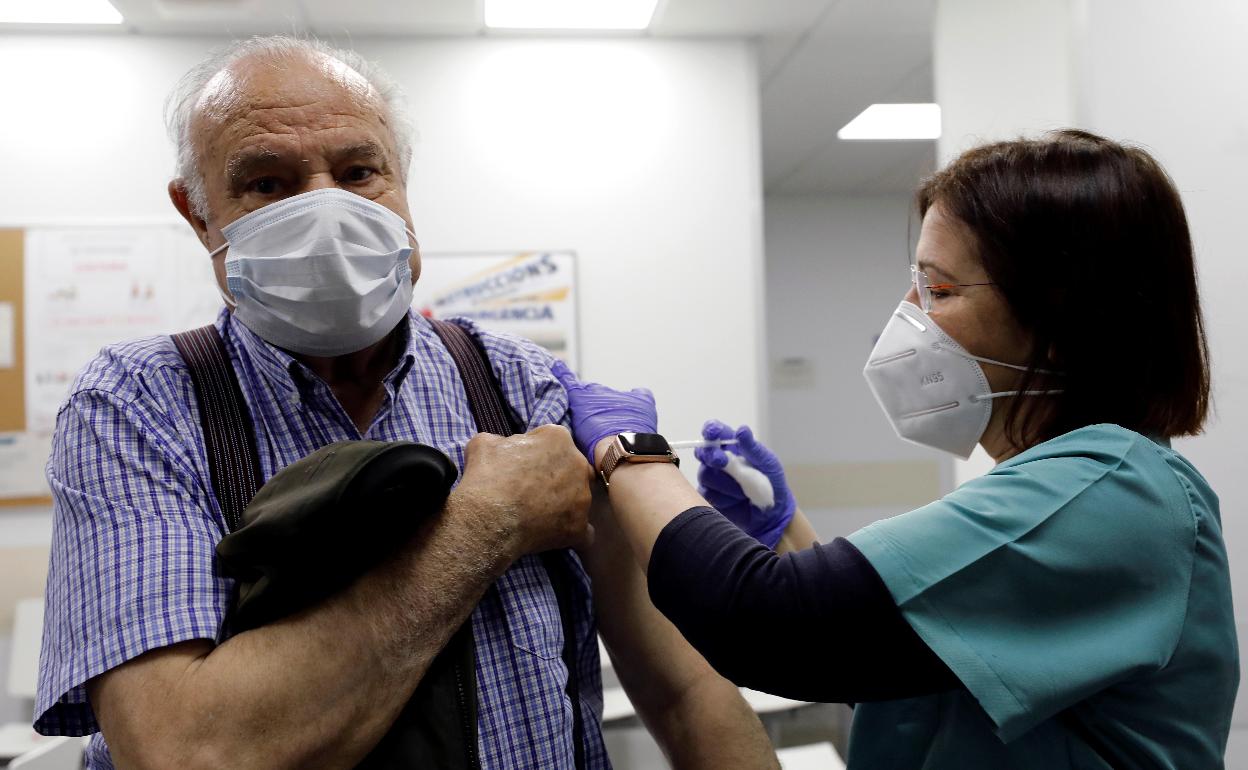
[(319, 181)]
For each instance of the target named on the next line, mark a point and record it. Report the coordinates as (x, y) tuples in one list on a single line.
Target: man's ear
[(182, 202)]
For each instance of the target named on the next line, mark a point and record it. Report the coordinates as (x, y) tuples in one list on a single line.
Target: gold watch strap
[(616, 455), (611, 460)]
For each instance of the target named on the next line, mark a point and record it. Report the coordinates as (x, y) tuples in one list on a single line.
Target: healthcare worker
[(1071, 608)]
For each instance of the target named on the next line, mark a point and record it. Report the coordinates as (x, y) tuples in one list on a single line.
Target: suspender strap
[(228, 437), (492, 416), (484, 399)]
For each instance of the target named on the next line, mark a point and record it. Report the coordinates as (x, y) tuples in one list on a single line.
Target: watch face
[(645, 443)]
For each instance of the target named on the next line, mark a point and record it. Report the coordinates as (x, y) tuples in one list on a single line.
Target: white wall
[(836, 269), (1160, 74), (642, 155), (1002, 69)]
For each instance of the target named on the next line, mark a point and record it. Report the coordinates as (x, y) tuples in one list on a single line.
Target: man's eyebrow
[(365, 150), (246, 160)]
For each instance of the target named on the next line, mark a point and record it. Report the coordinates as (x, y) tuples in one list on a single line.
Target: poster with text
[(530, 294), (87, 287)]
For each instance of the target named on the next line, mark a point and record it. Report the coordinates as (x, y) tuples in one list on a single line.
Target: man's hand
[(535, 485)]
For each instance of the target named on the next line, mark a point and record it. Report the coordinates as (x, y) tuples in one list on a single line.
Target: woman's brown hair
[(1088, 242)]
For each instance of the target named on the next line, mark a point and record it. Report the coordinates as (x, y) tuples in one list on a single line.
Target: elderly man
[(292, 161)]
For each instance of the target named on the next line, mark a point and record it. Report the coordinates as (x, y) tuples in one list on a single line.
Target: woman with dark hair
[(1072, 607)]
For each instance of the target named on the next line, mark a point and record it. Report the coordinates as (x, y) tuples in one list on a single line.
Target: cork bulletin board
[(13, 437), (13, 402)]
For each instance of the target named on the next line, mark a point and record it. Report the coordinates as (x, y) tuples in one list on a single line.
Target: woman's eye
[(360, 173)]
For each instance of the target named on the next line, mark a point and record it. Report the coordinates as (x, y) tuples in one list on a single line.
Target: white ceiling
[(821, 62), (854, 53)]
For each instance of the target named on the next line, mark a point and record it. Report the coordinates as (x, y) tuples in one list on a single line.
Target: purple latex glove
[(723, 492), (598, 411)]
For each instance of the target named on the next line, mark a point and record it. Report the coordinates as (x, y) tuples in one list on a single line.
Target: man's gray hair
[(182, 103)]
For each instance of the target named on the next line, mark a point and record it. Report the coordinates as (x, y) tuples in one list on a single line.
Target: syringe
[(701, 443), (753, 483)]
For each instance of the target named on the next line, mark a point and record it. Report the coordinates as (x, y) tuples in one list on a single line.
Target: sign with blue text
[(531, 294)]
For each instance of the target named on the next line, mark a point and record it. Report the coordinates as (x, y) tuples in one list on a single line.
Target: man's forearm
[(319, 687)]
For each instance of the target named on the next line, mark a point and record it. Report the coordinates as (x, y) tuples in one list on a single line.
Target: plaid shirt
[(134, 567)]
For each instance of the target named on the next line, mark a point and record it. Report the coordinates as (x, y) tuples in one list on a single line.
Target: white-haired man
[(293, 154)]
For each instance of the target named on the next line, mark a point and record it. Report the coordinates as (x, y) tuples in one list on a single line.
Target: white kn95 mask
[(931, 389), (323, 273)]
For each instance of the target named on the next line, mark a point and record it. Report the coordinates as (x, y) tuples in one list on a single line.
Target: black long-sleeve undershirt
[(815, 625)]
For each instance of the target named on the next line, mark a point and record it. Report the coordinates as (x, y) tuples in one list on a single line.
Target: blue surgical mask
[(323, 273)]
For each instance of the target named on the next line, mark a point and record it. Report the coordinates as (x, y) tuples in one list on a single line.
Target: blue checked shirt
[(133, 564)]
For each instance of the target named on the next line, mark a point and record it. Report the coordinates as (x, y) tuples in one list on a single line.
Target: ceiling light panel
[(884, 122), (569, 14), (58, 12)]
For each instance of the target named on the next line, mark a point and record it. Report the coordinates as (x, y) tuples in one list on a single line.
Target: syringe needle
[(701, 443)]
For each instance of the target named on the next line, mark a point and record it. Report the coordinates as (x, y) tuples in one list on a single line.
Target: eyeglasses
[(924, 287)]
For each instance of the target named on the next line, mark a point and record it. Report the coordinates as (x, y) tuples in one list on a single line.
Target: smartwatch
[(635, 448)]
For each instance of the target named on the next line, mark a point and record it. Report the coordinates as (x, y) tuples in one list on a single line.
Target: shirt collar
[(288, 375)]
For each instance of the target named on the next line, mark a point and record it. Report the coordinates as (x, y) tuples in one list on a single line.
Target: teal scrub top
[(1080, 592)]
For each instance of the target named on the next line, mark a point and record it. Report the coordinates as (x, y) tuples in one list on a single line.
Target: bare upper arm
[(137, 703), (682, 700), (655, 663)]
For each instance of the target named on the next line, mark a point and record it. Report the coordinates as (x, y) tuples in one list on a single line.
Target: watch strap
[(616, 455), (611, 461)]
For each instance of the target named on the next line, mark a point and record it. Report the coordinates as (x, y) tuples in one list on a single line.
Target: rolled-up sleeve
[(132, 563)]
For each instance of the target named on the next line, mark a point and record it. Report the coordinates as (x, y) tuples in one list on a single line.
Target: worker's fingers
[(718, 481)]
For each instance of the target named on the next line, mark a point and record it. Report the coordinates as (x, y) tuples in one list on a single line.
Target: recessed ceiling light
[(894, 121), (569, 14), (58, 12)]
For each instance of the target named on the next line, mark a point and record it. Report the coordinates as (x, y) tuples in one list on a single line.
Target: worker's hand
[(535, 485), (599, 411), (722, 491)]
